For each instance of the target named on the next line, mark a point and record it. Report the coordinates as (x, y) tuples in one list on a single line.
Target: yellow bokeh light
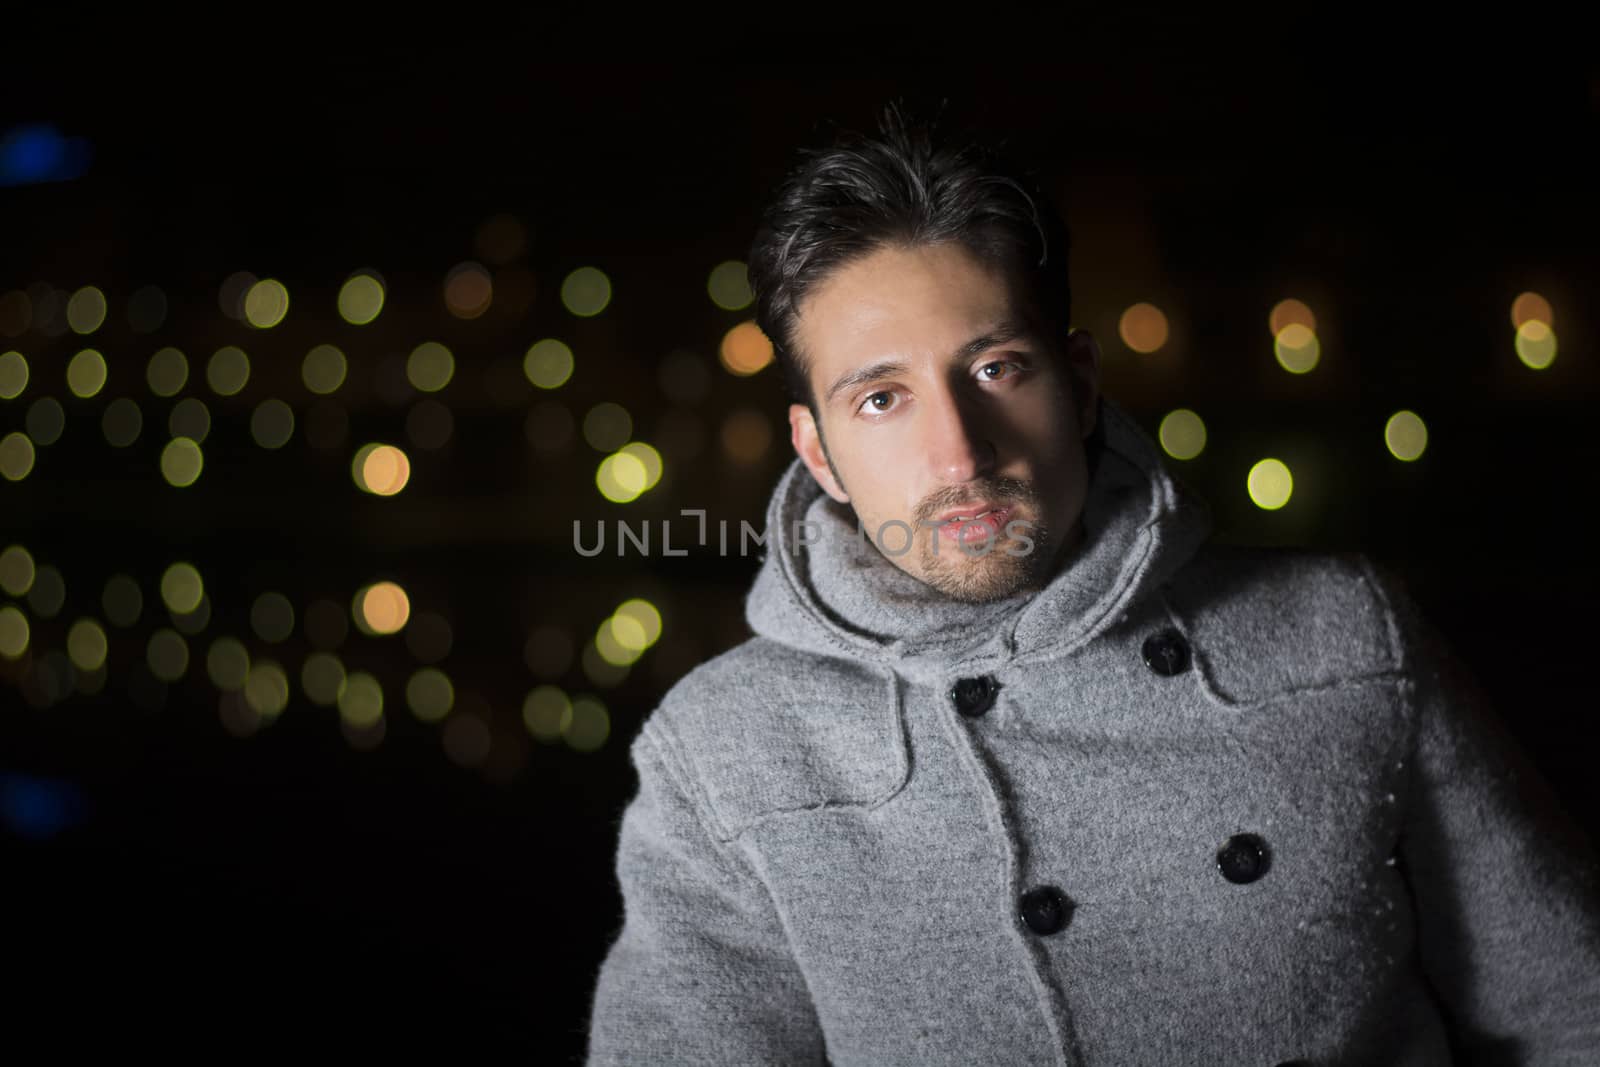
[(228, 664), (607, 426), (589, 726), (181, 462), (1296, 348), (430, 366), (360, 299), (324, 370), (322, 677), (547, 712), (1290, 312), (361, 700), (1270, 484), (16, 456), (167, 372), (382, 608), (586, 291), (1143, 328), (181, 588), (548, 364), (649, 457), (86, 645), (16, 570), (1406, 435), (430, 695), (228, 370), (620, 478), (612, 650), (13, 632), (167, 655), (729, 286), (86, 310), (13, 375), (86, 373), (1530, 307), (266, 303), (745, 349), (1182, 434), (266, 688), (381, 469), (1536, 344), (645, 614)]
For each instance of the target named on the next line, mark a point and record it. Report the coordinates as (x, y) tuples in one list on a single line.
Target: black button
[(1243, 858), (1045, 909), (974, 696), (1166, 652)]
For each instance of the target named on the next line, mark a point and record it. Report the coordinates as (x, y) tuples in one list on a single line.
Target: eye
[(870, 407), (1006, 367)]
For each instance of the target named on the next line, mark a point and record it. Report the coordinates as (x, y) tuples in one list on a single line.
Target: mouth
[(977, 523)]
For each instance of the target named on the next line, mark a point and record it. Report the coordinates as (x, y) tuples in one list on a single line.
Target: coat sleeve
[(1506, 885), (700, 972)]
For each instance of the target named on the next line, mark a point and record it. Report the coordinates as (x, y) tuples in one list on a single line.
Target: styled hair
[(905, 187)]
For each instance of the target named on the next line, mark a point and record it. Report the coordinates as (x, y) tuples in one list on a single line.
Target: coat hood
[(825, 589)]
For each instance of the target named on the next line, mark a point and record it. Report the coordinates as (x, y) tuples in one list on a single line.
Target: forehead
[(904, 302)]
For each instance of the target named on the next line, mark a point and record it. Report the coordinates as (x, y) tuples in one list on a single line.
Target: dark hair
[(906, 186)]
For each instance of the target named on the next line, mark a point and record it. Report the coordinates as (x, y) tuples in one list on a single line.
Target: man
[(1021, 767)]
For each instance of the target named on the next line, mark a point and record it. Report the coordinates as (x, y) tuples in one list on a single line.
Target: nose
[(959, 446)]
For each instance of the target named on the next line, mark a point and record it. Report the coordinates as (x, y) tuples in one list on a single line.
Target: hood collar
[(824, 589)]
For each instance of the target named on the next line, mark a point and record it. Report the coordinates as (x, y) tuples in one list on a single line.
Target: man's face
[(939, 394)]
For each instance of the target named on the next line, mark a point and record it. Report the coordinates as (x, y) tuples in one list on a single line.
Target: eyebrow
[(999, 334)]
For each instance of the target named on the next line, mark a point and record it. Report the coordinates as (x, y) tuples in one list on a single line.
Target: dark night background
[(168, 883)]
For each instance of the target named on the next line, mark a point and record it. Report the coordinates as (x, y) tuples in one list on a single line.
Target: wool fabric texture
[(827, 862)]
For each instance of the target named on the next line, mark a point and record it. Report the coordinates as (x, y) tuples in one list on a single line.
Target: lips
[(969, 512)]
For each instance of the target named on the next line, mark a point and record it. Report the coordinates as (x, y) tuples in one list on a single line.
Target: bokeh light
[(16, 456), (228, 664), (745, 349), (548, 363), (86, 373), (380, 469), (190, 418), (607, 426), (621, 477), (87, 645), (430, 367), (468, 290), (181, 462), (121, 422), (167, 655), (1531, 307), (266, 303), (1182, 434), (122, 601), (361, 699), (322, 678), (1406, 435), (361, 298), (546, 712), (13, 375), (13, 632), (86, 310), (45, 421), (266, 688), (272, 423), (1290, 312), (589, 725), (429, 694), (167, 372), (1296, 348), (1270, 484), (381, 608), (1536, 344), (16, 570), (1143, 328), (324, 370), (228, 370), (729, 286), (586, 291), (232, 291), (746, 435), (272, 617), (181, 588)]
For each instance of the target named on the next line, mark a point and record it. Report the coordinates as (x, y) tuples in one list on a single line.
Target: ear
[(808, 446), (1083, 364)]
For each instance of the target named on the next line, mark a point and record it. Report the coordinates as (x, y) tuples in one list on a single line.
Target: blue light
[(36, 807), (37, 152)]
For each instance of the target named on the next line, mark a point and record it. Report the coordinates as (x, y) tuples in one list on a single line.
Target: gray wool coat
[(1188, 804)]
